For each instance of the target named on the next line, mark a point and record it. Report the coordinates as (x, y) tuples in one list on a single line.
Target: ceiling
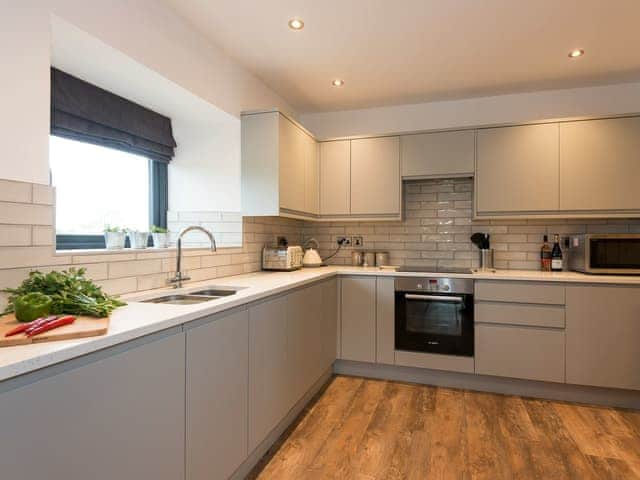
[(408, 51)]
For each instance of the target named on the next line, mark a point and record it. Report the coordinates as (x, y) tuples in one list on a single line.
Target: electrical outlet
[(344, 241), (357, 241)]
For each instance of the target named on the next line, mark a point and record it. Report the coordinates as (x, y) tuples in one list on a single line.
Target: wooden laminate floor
[(371, 429)]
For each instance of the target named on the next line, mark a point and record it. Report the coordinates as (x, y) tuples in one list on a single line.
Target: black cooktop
[(409, 268)]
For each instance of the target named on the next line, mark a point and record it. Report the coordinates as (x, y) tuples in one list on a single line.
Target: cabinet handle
[(437, 298)]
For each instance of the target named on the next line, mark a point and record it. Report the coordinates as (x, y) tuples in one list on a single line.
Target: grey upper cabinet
[(603, 336), (279, 167), (375, 176), (358, 319), (119, 416), (517, 170), (439, 154), (600, 165), (335, 178), (216, 396)]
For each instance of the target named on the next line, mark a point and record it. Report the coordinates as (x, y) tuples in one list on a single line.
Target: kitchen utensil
[(311, 256), (382, 259), (486, 259), (369, 259), (478, 239), (357, 258), (82, 327)]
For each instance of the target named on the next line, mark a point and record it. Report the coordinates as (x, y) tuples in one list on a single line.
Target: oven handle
[(439, 298)]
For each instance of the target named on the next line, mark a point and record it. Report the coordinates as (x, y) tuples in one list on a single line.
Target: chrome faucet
[(180, 277)]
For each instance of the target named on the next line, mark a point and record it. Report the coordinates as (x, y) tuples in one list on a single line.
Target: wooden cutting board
[(81, 328)]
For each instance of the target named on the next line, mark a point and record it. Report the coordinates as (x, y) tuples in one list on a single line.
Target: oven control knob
[(419, 285), (446, 288)]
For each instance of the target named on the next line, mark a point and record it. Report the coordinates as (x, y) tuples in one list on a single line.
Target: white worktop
[(139, 319)]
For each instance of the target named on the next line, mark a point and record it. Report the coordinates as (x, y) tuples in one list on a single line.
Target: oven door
[(435, 323)]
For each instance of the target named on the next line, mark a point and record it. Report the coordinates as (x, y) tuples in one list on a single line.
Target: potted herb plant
[(160, 237), (114, 237), (138, 240)]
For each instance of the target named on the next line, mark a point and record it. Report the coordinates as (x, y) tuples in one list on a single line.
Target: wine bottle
[(556, 255), (545, 255)]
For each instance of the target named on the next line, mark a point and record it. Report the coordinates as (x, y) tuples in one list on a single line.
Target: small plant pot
[(114, 240), (138, 240), (160, 240)]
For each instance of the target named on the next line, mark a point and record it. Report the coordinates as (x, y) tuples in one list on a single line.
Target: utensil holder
[(486, 259)]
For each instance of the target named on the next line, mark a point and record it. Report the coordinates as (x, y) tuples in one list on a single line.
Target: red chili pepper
[(58, 322), (37, 324), (25, 326)]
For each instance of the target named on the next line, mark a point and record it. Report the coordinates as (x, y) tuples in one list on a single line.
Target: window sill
[(128, 251)]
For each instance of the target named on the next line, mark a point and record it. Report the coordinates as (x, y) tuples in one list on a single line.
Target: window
[(98, 186), (108, 160)]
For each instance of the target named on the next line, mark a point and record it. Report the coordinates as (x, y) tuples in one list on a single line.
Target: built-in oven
[(434, 315)]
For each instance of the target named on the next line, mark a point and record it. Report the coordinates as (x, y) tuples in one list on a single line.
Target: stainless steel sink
[(180, 299), (215, 292)]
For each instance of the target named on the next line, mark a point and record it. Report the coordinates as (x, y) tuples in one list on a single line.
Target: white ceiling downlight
[(296, 24)]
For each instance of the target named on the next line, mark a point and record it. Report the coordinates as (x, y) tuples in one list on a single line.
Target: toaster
[(282, 258)]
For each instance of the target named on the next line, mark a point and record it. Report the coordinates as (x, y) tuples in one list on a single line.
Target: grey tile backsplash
[(438, 223)]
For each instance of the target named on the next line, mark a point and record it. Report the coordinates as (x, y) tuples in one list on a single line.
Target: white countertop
[(139, 319)]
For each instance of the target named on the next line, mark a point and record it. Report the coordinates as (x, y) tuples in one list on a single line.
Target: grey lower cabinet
[(115, 414), (216, 396), (385, 320), (358, 319), (603, 336), (292, 342)]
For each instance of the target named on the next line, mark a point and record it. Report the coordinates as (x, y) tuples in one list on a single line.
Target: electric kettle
[(311, 256)]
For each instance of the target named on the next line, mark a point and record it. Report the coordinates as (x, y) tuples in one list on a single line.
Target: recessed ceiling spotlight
[(337, 82), (296, 24), (578, 52)]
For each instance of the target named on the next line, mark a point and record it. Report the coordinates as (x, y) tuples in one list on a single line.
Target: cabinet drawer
[(520, 352), (434, 361), (520, 314), (520, 292)]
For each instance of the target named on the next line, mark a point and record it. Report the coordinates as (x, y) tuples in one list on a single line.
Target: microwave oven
[(605, 253)]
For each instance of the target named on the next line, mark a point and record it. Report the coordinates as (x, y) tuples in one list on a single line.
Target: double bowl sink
[(192, 298)]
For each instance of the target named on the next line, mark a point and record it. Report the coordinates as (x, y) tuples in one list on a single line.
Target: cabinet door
[(438, 154), (385, 320), (520, 352), (292, 166), (217, 378), (358, 298), (603, 336), (335, 178), (305, 342), (312, 176), (330, 322), (517, 169), (375, 176), (600, 164), (269, 390), (121, 416)]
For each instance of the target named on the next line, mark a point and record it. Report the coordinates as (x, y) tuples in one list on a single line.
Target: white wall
[(144, 30), (517, 108)]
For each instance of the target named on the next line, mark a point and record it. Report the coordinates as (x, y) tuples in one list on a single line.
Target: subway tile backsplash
[(435, 232), (438, 223)]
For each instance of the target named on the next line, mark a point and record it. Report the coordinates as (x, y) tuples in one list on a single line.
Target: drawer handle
[(437, 298)]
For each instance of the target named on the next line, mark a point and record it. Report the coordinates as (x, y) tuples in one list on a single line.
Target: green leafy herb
[(157, 229), (70, 291), (110, 229)]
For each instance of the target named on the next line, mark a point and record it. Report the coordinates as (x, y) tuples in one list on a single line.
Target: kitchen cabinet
[(600, 165), (385, 320), (358, 319), (330, 311), (118, 413), (335, 178), (375, 176), (520, 292), (216, 396), (279, 167), (270, 393), (517, 170), (438, 154), (520, 352), (603, 336)]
